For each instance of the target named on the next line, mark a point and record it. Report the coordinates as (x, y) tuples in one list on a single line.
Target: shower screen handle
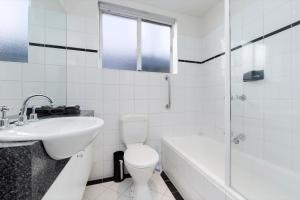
[(168, 106)]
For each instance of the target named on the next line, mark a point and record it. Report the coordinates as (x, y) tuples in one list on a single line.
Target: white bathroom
[(149, 99)]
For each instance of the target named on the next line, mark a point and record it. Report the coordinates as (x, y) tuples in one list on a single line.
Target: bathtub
[(196, 166)]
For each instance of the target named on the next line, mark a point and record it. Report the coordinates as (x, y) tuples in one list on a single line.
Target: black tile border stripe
[(104, 180), (190, 61), (278, 31), (247, 43), (94, 182), (296, 23), (62, 47), (267, 35), (55, 46), (166, 179), (91, 50), (182, 60), (36, 44), (171, 187), (75, 49), (212, 58)]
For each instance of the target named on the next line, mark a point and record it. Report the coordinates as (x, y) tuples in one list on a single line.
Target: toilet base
[(142, 192)]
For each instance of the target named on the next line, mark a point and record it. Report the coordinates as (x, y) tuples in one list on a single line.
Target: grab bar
[(168, 106)]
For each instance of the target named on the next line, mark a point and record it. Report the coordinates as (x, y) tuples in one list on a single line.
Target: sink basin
[(62, 137)]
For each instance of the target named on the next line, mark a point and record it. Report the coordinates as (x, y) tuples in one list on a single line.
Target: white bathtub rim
[(209, 176)]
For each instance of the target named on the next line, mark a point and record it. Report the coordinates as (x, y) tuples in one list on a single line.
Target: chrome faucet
[(23, 114), (4, 121), (239, 138)]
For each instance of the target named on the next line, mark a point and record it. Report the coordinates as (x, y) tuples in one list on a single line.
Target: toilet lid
[(141, 156)]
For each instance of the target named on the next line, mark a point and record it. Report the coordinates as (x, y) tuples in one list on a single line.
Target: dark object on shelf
[(119, 166), (58, 111), (254, 76), (72, 110)]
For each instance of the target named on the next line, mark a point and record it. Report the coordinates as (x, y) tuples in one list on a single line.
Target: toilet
[(140, 159)]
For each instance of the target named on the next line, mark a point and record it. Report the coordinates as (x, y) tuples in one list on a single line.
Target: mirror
[(14, 30), (45, 71)]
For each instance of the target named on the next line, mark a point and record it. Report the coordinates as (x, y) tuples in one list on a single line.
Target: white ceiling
[(189, 7)]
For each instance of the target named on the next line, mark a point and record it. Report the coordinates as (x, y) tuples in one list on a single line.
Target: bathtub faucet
[(239, 138)]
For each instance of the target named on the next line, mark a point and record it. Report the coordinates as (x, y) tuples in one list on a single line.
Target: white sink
[(62, 137)]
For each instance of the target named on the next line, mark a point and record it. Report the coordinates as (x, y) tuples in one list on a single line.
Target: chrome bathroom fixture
[(168, 106), (242, 97), (4, 121), (33, 116), (23, 117), (239, 138)]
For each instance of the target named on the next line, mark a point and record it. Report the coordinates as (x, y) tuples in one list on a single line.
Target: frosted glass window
[(14, 30), (119, 42), (156, 47), (132, 39)]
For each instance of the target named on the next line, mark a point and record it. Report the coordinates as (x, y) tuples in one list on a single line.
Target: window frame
[(139, 16)]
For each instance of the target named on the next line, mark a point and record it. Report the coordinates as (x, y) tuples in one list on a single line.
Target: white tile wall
[(82, 32), (112, 93), (198, 91), (269, 116), (121, 96)]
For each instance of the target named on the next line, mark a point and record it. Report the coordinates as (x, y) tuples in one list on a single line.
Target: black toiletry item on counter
[(58, 111)]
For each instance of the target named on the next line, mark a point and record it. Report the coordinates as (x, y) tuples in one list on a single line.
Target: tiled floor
[(124, 190)]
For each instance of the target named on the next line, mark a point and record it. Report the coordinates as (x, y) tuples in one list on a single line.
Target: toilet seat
[(141, 156)]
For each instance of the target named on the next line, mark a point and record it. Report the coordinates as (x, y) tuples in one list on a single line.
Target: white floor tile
[(93, 191), (157, 184), (168, 198), (168, 193), (129, 192), (125, 190), (108, 195), (121, 187), (107, 184), (156, 195)]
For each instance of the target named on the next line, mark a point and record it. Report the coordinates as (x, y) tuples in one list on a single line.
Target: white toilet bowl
[(140, 161)]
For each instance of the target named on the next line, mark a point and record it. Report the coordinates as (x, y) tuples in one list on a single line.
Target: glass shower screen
[(265, 106)]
